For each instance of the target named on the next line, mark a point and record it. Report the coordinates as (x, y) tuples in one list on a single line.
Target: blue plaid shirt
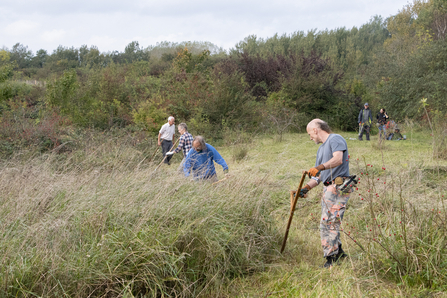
[(184, 144)]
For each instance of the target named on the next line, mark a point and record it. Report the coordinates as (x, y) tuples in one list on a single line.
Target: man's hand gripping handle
[(314, 172)]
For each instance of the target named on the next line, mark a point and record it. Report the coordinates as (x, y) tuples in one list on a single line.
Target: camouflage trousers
[(333, 206)]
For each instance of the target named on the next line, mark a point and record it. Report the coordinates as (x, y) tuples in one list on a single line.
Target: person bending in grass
[(200, 161), (331, 168)]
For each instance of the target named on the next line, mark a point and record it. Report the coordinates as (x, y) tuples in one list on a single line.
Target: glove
[(314, 172), (225, 172), (304, 191), (170, 153)]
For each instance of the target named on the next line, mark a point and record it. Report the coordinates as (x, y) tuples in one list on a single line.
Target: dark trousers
[(365, 128), (165, 147)]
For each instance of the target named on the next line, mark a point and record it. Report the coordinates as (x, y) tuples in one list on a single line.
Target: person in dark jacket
[(365, 120), (382, 118)]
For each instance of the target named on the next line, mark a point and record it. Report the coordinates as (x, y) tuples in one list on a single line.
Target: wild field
[(97, 219)]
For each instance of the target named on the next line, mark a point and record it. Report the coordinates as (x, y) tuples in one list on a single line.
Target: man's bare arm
[(335, 161)]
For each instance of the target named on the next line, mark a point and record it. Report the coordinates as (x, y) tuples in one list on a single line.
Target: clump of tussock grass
[(102, 226), (240, 152)]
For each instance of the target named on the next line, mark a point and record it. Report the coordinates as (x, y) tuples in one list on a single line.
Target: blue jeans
[(382, 130)]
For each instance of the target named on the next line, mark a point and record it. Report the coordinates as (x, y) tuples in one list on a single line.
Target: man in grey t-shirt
[(331, 168)]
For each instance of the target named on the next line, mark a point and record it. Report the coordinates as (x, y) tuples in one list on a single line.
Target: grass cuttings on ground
[(100, 221)]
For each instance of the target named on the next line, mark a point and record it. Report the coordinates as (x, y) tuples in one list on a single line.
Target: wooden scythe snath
[(292, 209)]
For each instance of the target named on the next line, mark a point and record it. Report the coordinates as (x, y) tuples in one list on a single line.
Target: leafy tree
[(133, 52), (6, 72), (150, 116), (188, 62), (40, 58), (63, 58), (90, 57), (61, 93), (21, 55), (229, 104), (423, 76), (408, 32)]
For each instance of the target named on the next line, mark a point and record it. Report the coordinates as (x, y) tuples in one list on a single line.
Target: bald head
[(314, 123), (318, 130), (320, 124)]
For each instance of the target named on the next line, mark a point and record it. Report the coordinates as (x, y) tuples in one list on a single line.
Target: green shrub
[(149, 116), (98, 102)]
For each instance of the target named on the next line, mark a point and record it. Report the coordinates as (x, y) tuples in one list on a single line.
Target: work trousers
[(333, 206), (165, 147), (364, 128)]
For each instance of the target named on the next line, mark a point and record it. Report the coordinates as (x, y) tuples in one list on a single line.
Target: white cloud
[(53, 35), (21, 27)]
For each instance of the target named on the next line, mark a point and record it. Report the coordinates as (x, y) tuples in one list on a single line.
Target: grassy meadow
[(95, 219)]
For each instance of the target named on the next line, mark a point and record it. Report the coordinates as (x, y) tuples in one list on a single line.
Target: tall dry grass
[(97, 220), (102, 223)]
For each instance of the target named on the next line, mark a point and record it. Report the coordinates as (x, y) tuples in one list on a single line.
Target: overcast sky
[(111, 25)]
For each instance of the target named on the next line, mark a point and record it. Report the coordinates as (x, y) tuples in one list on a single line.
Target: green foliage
[(61, 94), (21, 55), (229, 104), (102, 101), (347, 49), (149, 116), (314, 89), (422, 76), (8, 88), (186, 93), (132, 53), (64, 94), (6, 70), (187, 62)]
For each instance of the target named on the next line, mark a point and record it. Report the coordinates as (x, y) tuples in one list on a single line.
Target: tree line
[(275, 83)]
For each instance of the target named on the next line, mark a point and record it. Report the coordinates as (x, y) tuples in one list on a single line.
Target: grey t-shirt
[(333, 143)]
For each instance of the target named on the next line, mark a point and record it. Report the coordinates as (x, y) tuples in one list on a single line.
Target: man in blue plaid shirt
[(185, 142)]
